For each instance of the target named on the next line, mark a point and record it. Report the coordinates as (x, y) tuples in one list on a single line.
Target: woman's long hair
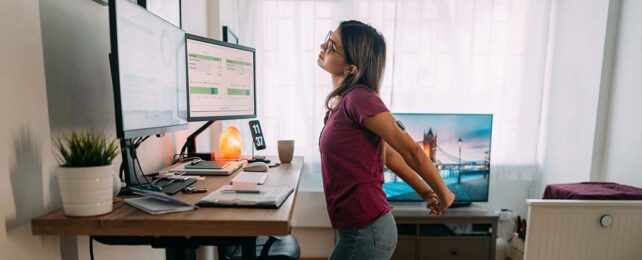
[(364, 47)]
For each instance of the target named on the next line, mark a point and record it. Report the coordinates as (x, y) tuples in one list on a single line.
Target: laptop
[(228, 169)]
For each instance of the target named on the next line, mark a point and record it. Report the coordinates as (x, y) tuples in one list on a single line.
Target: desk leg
[(180, 253), (249, 249), (68, 248)]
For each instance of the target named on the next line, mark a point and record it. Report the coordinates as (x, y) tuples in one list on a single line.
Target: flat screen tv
[(458, 145)]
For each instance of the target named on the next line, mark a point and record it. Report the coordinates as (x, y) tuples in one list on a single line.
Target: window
[(465, 56)]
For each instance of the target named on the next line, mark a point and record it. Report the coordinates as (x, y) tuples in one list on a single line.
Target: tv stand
[(458, 204), (460, 233)]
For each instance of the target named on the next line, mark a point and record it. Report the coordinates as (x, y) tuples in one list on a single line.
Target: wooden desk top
[(125, 220)]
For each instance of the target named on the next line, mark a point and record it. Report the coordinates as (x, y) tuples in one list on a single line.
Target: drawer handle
[(453, 252), (606, 220)]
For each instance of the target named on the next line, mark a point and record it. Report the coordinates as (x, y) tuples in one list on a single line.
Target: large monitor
[(221, 77), (149, 74), (458, 145), (149, 71)]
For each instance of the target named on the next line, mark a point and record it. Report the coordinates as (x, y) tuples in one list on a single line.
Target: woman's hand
[(436, 205), (432, 201), (445, 202)]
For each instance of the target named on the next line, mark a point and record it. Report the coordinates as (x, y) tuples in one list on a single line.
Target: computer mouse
[(256, 167)]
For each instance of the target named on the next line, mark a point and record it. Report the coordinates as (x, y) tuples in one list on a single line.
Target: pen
[(243, 191), (195, 161), (194, 190)]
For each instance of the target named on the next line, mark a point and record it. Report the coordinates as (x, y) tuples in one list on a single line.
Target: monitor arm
[(190, 143)]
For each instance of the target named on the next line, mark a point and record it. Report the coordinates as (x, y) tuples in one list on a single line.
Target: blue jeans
[(375, 241)]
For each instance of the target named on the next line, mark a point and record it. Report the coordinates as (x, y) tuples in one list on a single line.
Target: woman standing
[(359, 136)]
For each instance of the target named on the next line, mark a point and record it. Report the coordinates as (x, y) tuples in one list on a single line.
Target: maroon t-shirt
[(352, 163)]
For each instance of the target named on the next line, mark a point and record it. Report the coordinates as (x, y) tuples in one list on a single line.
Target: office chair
[(267, 248)]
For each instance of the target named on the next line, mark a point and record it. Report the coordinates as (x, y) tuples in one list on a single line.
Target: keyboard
[(255, 177)]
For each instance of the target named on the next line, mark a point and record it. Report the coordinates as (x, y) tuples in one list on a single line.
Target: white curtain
[(457, 56)]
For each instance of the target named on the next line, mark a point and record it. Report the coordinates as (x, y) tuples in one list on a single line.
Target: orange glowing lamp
[(229, 144)]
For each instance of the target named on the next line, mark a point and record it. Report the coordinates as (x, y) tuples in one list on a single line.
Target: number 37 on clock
[(257, 134)]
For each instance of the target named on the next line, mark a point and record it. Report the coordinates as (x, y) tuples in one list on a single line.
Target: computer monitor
[(149, 75), (149, 72), (222, 82), (458, 145)]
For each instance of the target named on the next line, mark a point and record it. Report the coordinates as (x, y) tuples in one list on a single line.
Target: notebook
[(156, 203), (269, 196)]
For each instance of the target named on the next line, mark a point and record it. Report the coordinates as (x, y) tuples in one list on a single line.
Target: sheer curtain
[(465, 56)]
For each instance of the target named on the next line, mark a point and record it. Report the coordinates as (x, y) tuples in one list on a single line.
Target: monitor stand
[(190, 143), (132, 179)]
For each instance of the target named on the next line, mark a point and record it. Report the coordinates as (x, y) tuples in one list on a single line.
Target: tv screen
[(458, 145)]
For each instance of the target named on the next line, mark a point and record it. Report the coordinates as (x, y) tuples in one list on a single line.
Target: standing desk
[(182, 232)]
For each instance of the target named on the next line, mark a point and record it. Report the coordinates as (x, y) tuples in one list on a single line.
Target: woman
[(359, 136)]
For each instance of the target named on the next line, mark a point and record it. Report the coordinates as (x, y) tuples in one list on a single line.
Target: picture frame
[(170, 10), (229, 35)]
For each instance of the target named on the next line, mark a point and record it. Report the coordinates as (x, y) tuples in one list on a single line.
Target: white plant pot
[(86, 191)]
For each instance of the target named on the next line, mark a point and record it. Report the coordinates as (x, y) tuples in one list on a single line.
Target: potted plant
[(86, 175)]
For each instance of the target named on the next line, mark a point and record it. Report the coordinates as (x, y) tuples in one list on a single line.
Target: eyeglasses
[(329, 45)]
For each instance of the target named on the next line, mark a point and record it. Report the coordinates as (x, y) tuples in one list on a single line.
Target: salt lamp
[(229, 144)]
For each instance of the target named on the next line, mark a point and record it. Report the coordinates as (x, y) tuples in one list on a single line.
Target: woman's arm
[(395, 163), (384, 125)]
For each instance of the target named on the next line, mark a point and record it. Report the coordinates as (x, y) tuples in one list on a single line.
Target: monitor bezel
[(489, 152), (228, 45), (115, 73)]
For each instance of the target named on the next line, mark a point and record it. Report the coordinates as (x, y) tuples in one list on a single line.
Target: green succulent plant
[(84, 148)]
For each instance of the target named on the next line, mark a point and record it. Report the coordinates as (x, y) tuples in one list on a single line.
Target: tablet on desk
[(268, 196)]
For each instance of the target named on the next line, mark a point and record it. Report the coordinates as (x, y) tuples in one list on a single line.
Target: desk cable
[(91, 247)]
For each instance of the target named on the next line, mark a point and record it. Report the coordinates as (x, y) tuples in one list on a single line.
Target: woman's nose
[(323, 46)]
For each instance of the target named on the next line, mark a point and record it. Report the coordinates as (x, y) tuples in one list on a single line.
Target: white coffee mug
[(286, 150)]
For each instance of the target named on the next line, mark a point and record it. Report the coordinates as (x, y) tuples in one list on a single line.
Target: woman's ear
[(351, 69)]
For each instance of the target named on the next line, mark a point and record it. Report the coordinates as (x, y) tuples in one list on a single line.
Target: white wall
[(228, 10), (570, 108), (26, 162), (622, 160), (592, 125)]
